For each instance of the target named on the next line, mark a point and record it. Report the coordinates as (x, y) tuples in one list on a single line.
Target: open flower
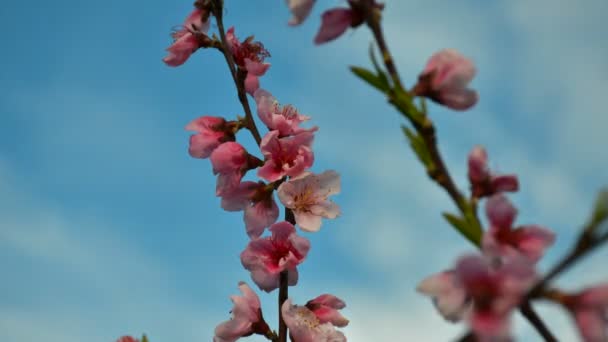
[(287, 156), (326, 307), (230, 162), (267, 257), (445, 79), (590, 311), (300, 9), (494, 290), (504, 241), (191, 36), (257, 201), (249, 56), (212, 132), (246, 318), (448, 294), (305, 326), (284, 119), (483, 181), (307, 196)]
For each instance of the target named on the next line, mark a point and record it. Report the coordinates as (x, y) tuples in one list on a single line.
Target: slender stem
[(439, 172), (284, 286), (237, 76), (527, 311), (283, 294)]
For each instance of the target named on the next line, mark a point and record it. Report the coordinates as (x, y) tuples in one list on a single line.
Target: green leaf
[(144, 338), (419, 147), (600, 212), (381, 74), (372, 79), (464, 227)]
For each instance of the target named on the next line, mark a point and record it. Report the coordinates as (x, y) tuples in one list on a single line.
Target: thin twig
[(236, 75), (439, 173)]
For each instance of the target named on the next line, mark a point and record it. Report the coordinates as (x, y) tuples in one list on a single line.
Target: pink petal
[(490, 326), (203, 144), (252, 83), (256, 68), (500, 211), (228, 157), (259, 216), (181, 50), (478, 164), (533, 240), (127, 339), (505, 183), (240, 197), (596, 296), (459, 100), (308, 221), (300, 10), (334, 23), (448, 295), (591, 325)]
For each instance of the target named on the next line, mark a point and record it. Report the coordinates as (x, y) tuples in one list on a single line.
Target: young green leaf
[(372, 79)]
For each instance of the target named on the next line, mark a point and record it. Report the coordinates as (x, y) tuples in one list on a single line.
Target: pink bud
[(326, 307), (212, 132), (445, 79), (230, 161), (590, 311)]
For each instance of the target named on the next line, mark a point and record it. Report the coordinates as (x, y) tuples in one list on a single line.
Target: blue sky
[(108, 227)]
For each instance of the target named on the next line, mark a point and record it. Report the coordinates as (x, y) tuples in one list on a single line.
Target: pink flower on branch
[(230, 162), (326, 307), (285, 119), (590, 311), (504, 241), (212, 132), (483, 181), (336, 21), (257, 200), (246, 318), (267, 257), (448, 295), (305, 326), (494, 290), (287, 156), (307, 196), (445, 79), (249, 56), (300, 10), (189, 38)]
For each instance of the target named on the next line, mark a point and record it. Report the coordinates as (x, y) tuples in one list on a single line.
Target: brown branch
[(438, 170), (284, 286), (237, 75)]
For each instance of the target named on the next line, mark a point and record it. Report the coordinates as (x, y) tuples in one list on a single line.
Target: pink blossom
[(249, 56), (246, 317), (445, 79), (267, 257), (257, 200), (285, 119), (212, 131), (127, 339), (483, 182), (305, 326), (447, 293), (502, 240), (300, 10), (190, 37), (230, 161), (307, 196), (590, 311), (495, 290), (326, 307), (334, 23), (287, 156)]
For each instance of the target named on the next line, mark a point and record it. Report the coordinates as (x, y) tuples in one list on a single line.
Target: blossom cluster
[(284, 158)]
